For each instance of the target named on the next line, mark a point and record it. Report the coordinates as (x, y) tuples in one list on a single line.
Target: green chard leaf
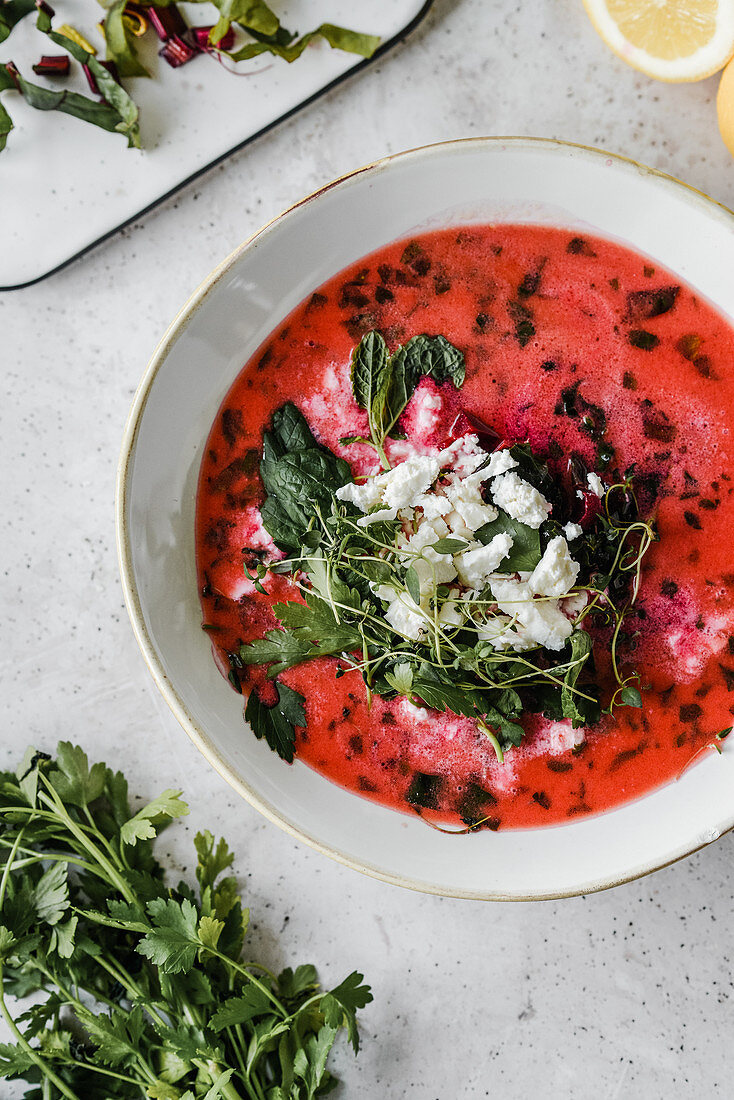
[(277, 724), (11, 13), (121, 106), (121, 43)]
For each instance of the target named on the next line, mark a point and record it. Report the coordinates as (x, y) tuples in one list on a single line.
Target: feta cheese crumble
[(520, 499), (596, 484), (556, 572), (439, 495)]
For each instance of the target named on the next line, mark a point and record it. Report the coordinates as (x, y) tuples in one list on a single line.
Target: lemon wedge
[(725, 106), (674, 40)]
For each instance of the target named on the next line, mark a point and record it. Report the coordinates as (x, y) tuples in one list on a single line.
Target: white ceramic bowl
[(237, 306)]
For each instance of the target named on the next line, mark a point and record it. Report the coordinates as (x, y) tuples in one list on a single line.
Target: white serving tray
[(66, 185)]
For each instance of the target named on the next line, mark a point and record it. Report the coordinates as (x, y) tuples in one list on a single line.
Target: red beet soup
[(575, 345)]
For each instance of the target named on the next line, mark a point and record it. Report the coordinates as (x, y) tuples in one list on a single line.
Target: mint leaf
[(433, 357), (371, 375), (277, 724)]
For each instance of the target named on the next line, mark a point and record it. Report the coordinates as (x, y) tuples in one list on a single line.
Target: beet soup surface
[(575, 344)]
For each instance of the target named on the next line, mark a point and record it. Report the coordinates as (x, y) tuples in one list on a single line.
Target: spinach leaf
[(291, 431), (434, 357), (525, 552), (299, 477), (277, 724)]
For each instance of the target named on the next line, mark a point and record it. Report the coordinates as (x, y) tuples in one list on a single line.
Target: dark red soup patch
[(574, 344)]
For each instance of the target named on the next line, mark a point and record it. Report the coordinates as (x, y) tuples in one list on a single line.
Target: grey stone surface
[(617, 995)]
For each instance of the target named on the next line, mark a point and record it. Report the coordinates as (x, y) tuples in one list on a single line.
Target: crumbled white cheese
[(520, 499), (499, 463), (596, 484), (457, 525), (451, 614), (476, 566), (375, 517), (432, 568), (433, 505), (500, 632), (556, 572), (402, 614), (365, 496), (409, 480), (428, 407), (467, 501), (573, 531), (573, 605), (542, 620)]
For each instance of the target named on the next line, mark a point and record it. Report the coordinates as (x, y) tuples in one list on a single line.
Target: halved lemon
[(725, 106), (674, 40)]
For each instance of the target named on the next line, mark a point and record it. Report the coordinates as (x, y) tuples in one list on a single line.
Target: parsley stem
[(32, 1054), (250, 977), (116, 879)]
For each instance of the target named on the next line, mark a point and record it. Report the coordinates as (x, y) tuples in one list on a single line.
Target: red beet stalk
[(467, 422), (201, 36), (91, 81), (56, 65), (167, 23), (177, 51)]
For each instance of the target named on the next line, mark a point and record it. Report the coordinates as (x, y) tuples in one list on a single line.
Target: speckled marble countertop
[(618, 995)]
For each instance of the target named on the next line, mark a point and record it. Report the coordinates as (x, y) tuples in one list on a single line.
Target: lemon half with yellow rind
[(673, 40), (725, 106)]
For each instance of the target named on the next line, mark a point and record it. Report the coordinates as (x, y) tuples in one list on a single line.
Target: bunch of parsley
[(139, 989)]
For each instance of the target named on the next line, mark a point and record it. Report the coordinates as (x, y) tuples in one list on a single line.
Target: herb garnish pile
[(139, 988), (124, 23), (339, 565)]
